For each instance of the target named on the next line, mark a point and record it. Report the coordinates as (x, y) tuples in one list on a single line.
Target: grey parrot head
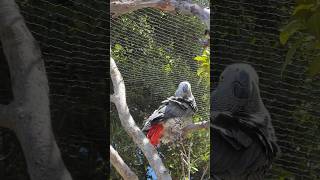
[(238, 91), (184, 90)]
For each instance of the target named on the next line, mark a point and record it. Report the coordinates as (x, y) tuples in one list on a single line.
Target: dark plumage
[(243, 139), (178, 108)]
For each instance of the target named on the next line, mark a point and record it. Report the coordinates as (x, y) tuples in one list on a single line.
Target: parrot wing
[(173, 107), (240, 149)]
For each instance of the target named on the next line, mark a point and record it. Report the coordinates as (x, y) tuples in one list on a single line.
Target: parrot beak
[(241, 87), (243, 82)]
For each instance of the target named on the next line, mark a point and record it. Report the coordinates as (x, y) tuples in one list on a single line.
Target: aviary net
[(73, 37), (154, 51), (248, 31)]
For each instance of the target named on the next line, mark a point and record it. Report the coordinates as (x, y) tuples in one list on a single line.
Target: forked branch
[(119, 99)]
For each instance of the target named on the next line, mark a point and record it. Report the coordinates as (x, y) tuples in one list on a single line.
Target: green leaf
[(206, 52), (200, 58), (118, 47), (167, 68), (200, 71), (302, 7), (291, 53), (314, 67), (206, 66), (195, 169), (289, 30)]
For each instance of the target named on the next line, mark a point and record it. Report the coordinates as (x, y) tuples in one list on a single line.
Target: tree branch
[(120, 7), (121, 166), (130, 126), (195, 127), (30, 108)]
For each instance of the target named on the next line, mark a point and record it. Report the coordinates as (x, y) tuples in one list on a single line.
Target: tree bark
[(195, 127), (119, 99), (29, 113), (119, 7), (121, 166)]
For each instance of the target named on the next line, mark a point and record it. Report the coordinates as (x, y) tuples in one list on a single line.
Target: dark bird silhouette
[(242, 136)]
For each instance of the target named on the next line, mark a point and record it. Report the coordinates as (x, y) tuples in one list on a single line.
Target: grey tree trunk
[(28, 115)]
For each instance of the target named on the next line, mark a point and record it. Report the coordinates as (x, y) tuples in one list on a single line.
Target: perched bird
[(165, 123), (243, 138)]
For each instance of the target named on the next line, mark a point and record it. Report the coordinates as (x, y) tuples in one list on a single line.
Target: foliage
[(309, 124), (204, 68), (154, 51), (304, 30), (302, 34)]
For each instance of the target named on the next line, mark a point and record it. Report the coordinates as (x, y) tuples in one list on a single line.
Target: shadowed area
[(73, 40), (248, 31)]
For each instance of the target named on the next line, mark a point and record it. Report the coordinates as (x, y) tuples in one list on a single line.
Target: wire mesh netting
[(73, 36), (248, 31), (154, 51), (165, 43)]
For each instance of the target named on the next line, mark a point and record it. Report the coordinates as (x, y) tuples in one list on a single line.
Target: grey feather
[(243, 138), (181, 106)]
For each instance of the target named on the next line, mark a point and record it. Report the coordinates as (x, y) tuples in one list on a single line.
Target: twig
[(204, 172), (122, 168), (195, 127), (189, 159), (182, 165)]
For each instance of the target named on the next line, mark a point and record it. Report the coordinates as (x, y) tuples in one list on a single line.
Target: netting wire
[(73, 37), (154, 51), (248, 31), (173, 37)]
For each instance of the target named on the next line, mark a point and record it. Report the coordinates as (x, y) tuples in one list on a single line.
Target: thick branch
[(31, 120), (194, 9), (122, 7), (121, 166), (195, 127), (119, 98)]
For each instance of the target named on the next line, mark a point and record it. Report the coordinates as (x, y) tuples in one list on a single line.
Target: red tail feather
[(154, 134)]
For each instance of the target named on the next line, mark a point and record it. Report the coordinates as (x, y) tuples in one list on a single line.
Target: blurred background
[(73, 36), (267, 35)]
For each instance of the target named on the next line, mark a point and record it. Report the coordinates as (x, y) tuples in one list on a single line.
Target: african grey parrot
[(166, 122), (243, 138)]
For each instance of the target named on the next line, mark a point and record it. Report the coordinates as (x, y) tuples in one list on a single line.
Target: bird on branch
[(165, 124)]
